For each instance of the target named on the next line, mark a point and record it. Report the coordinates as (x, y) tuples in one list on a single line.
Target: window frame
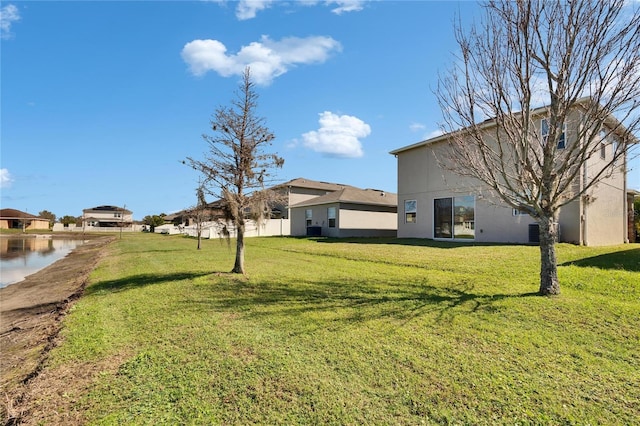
[(463, 201), (308, 216), (331, 211), (411, 212), (562, 141)]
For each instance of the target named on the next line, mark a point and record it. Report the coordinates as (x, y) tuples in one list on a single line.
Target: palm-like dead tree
[(237, 167)]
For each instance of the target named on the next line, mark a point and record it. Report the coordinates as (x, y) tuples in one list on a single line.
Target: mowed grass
[(360, 331)]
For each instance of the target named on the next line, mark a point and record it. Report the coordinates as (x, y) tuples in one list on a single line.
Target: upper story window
[(410, 211), (331, 215), (603, 150), (308, 215), (544, 131)]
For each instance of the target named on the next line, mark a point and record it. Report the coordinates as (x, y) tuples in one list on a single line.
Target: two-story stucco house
[(435, 203), (106, 217)]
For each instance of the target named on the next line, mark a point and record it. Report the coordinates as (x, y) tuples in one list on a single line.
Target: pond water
[(20, 257)]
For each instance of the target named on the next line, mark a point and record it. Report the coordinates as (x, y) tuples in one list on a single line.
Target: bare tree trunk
[(549, 283), (238, 268)]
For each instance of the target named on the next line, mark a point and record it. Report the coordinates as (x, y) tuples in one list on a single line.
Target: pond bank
[(30, 313)]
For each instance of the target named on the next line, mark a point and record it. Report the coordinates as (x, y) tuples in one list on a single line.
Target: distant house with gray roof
[(344, 211)]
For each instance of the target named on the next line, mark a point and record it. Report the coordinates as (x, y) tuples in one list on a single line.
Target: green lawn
[(351, 332)]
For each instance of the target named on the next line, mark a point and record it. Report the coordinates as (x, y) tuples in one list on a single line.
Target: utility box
[(314, 231)]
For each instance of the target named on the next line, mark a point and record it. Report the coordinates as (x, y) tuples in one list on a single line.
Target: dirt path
[(30, 319)]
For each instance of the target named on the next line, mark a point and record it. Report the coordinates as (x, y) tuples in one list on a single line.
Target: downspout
[(584, 198), (584, 203), (625, 214)]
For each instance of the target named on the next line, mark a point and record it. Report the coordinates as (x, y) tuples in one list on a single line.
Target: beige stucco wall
[(420, 173), (351, 220), (109, 215), (31, 223), (606, 216), (38, 224)]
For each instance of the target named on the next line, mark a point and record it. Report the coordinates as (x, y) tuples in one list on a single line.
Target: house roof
[(489, 123), (216, 205), (353, 195), (17, 214), (312, 184), (108, 209)]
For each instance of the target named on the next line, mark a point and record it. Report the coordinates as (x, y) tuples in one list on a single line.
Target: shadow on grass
[(140, 280), (628, 260), (416, 242), (322, 304)]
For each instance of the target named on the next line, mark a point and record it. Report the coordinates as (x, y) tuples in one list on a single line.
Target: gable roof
[(491, 122), (108, 209), (312, 184), (17, 214), (353, 195)]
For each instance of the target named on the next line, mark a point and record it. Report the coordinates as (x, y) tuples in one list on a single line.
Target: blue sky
[(101, 101)]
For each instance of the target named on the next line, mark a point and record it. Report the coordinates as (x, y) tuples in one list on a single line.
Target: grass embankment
[(351, 332)]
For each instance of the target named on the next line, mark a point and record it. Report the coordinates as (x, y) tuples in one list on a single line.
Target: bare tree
[(573, 64), (236, 167), (200, 212)]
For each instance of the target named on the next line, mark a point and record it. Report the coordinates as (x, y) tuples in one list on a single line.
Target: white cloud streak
[(346, 6), (8, 15), (247, 9), (338, 136), (267, 58), (5, 178)]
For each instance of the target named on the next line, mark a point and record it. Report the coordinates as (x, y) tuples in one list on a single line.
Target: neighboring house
[(337, 210), (300, 189), (435, 203), (16, 219), (106, 217), (347, 212)]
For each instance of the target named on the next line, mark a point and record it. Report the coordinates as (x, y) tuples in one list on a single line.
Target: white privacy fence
[(59, 227), (272, 227)]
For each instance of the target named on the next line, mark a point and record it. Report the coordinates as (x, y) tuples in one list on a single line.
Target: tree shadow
[(415, 242), (628, 260), (140, 280), (330, 305)]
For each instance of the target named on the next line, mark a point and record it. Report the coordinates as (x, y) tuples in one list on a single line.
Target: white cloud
[(247, 9), (338, 136), (8, 15), (346, 6), (5, 178), (416, 127), (433, 134), (267, 58)]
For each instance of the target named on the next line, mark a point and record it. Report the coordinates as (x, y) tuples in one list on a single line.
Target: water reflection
[(20, 257)]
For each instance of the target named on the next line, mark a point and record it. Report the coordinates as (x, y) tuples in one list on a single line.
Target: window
[(308, 215), (117, 215), (520, 212), (331, 215), (603, 150), (410, 211), (544, 131), (454, 217)]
